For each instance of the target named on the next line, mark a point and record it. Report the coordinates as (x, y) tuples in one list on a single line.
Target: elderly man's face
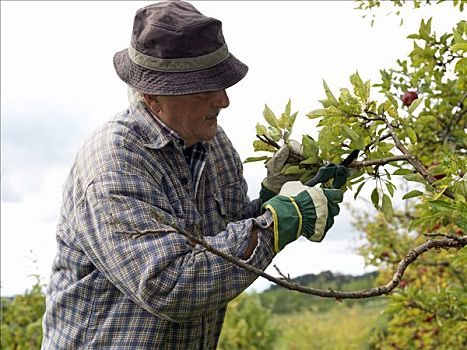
[(193, 117)]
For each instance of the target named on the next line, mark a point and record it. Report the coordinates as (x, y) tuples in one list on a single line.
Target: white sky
[(58, 84)]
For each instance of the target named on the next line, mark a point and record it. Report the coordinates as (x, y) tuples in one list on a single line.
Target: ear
[(153, 102)]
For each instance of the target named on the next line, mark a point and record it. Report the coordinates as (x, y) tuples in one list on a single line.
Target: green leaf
[(411, 134), (389, 108), (440, 205), (288, 108), (282, 121), (415, 177), (291, 122), (385, 147), (461, 66), (255, 159), (412, 194), (261, 129), (293, 170), (359, 188), (310, 147), (390, 188), (458, 36), (269, 116), (391, 99), (307, 175), (459, 47), (317, 113), (375, 197), (358, 87), (414, 105), (331, 99), (313, 159), (388, 211), (352, 135), (402, 172), (262, 146)]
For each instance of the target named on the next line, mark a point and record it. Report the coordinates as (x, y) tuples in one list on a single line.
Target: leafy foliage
[(429, 309), (21, 320), (299, 321), (412, 136), (248, 326)]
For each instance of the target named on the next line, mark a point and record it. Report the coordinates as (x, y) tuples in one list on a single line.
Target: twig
[(281, 274), (266, 139)]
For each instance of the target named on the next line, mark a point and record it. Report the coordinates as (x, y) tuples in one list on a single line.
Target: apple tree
[(410, 128)]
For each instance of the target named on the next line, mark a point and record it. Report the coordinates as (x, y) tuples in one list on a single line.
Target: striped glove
[(302, 210)]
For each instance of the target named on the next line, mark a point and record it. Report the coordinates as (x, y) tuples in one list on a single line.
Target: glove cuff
[(287, 220), (265, 193), (313, 205)]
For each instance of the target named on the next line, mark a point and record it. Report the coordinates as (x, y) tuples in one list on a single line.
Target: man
[(125, 276)]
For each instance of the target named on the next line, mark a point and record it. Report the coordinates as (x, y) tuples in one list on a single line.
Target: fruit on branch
[(403, 283), (384, 255), (439, 176), (435, 227), (422, 270), (409, 97), (428, 318)]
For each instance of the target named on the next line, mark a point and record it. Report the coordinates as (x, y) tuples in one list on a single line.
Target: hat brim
[(219, 77)]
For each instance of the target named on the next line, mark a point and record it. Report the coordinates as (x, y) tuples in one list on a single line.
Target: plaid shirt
[(195, 155), (123, 277)]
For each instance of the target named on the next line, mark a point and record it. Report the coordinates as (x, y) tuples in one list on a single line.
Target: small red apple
[(403, 283), (428, 319), (409, 97), (439, 176), (384, 255), (422, 270)]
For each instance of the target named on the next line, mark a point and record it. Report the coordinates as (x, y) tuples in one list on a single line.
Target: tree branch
[(381, 161), (354, 164), (459, 242), (412, 159)]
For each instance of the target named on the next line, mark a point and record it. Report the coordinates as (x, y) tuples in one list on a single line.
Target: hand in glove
[(271, 185), (302, 210)]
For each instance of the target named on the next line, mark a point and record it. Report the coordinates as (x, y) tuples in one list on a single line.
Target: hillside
[(284, 301)]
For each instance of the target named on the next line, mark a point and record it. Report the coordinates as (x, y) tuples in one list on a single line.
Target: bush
[(21, 320), (247, 325)]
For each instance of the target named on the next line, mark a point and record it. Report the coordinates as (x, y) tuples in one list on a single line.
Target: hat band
[(179, 64)]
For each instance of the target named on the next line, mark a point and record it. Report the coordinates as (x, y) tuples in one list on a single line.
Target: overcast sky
[(58, 84)]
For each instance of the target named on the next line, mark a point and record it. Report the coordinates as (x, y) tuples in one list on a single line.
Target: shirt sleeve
[(138, 246)]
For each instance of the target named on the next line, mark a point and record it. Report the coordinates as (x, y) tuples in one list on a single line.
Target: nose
[(221, 100)]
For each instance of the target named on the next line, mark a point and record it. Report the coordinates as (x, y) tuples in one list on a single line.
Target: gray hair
[(136, 97)]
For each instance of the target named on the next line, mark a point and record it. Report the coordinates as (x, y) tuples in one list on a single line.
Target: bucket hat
[(176, 50)]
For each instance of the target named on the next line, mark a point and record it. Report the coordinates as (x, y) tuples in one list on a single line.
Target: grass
[(341, 328)]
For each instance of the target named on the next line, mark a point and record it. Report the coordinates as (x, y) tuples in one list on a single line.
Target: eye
[(201, 95)]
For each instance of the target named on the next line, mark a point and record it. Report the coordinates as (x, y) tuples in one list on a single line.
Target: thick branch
[(367, 293)]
